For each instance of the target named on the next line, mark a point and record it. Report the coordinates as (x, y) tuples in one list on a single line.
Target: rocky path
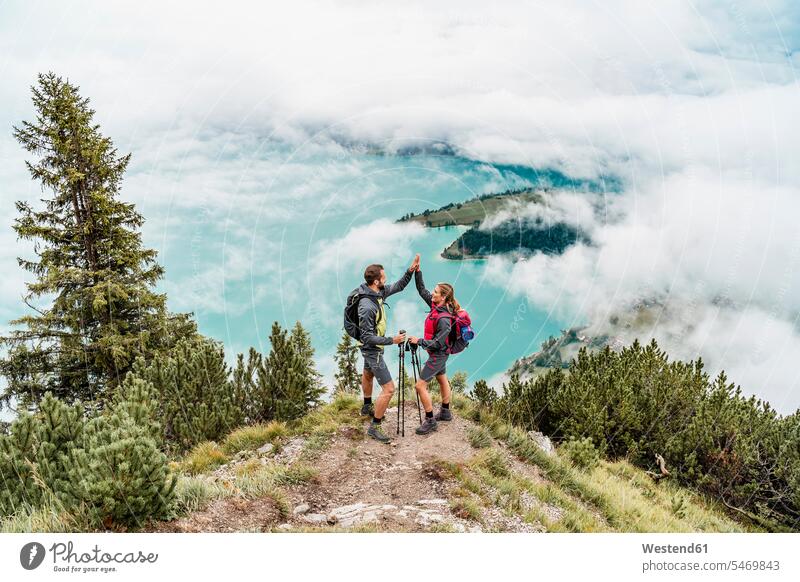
[(361, 484), (362, 481)]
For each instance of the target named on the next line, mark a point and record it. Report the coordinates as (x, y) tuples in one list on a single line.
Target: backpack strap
[(377, 304), (436, 315)]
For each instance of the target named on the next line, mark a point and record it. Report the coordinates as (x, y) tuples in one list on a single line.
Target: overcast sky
[(691, 105)]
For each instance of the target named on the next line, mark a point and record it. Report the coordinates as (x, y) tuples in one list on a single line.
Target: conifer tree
[(301, 340), (286, 378), (119, 473), (458, 382), (197, 399), (250, 386), (36, 456), (108, 465), (347, 378), (483, 394), (89, 260)]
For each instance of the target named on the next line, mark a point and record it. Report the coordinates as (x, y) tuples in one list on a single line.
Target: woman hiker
[(443, 306)]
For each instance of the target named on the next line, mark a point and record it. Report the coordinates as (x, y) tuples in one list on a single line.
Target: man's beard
[(381, 286)]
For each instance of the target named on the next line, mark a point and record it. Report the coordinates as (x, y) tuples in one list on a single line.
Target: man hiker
[(372, 325)]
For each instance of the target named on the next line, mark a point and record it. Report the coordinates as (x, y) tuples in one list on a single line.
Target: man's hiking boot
[(376, 432), (368, 409), (427, 426), (444, 414)]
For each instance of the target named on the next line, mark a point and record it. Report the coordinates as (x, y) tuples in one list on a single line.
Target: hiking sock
[(376, 420), (446, 405), (429, 414), (367, 400)]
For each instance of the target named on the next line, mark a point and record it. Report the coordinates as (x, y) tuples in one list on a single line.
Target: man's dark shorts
[(374, 362), (436, 364)]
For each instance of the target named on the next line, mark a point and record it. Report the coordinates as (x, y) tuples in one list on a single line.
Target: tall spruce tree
[(250, 385), (346, 379), (301, 340), (92, 278), (287, 380)]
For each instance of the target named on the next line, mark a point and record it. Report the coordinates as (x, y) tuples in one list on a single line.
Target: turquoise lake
[(293, 253)]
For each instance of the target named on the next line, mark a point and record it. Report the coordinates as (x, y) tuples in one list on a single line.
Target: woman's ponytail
[(449, 297)]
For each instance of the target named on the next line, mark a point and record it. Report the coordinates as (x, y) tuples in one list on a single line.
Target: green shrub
[(581, 452), (36, 456), (484, 395), (107, 468), (121, 474), (201, 399), (458, 382), (636, 403), (197, 400)]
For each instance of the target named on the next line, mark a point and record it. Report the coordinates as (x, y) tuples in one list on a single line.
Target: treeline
[(458, 205), (110, 465), (526, 237), (637, 404), (107, 381)]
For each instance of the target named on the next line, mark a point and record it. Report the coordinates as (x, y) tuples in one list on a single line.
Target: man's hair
[(372, 273)]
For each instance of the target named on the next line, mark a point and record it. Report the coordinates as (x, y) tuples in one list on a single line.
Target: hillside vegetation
[(478, 473), (472, 212), (518, 235)]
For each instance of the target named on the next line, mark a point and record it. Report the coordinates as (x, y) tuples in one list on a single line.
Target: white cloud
[(571, 208), (719, 254), (690, 105), (382, 241)]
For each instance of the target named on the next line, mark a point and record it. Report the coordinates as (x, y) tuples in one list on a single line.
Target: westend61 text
[(672, 549)]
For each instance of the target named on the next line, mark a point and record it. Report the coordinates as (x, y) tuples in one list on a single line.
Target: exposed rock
[(291, 450), (347, 510), (302, 508), (425, 518), (316, 518), (543, 441), (369, 516), (266, 449)]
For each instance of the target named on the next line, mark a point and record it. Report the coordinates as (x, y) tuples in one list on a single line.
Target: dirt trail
[(363, 483)]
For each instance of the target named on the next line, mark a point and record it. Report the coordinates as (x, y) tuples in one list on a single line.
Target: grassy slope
[(473, 210), (613, 497)]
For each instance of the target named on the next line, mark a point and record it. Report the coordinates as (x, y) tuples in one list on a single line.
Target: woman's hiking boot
[(368, 409), (376, 432), (444, 414), (427, 426)]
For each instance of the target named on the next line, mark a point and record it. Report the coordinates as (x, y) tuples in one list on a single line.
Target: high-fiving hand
[(414, 264)]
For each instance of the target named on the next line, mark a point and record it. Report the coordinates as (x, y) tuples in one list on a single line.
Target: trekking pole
[(402, 383), (415, 367)]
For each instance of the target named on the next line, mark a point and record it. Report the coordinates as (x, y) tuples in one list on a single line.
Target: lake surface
[(293, 251)]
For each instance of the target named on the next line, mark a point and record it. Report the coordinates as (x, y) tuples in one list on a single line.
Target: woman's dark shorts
[(374, 362), (436, 364)]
